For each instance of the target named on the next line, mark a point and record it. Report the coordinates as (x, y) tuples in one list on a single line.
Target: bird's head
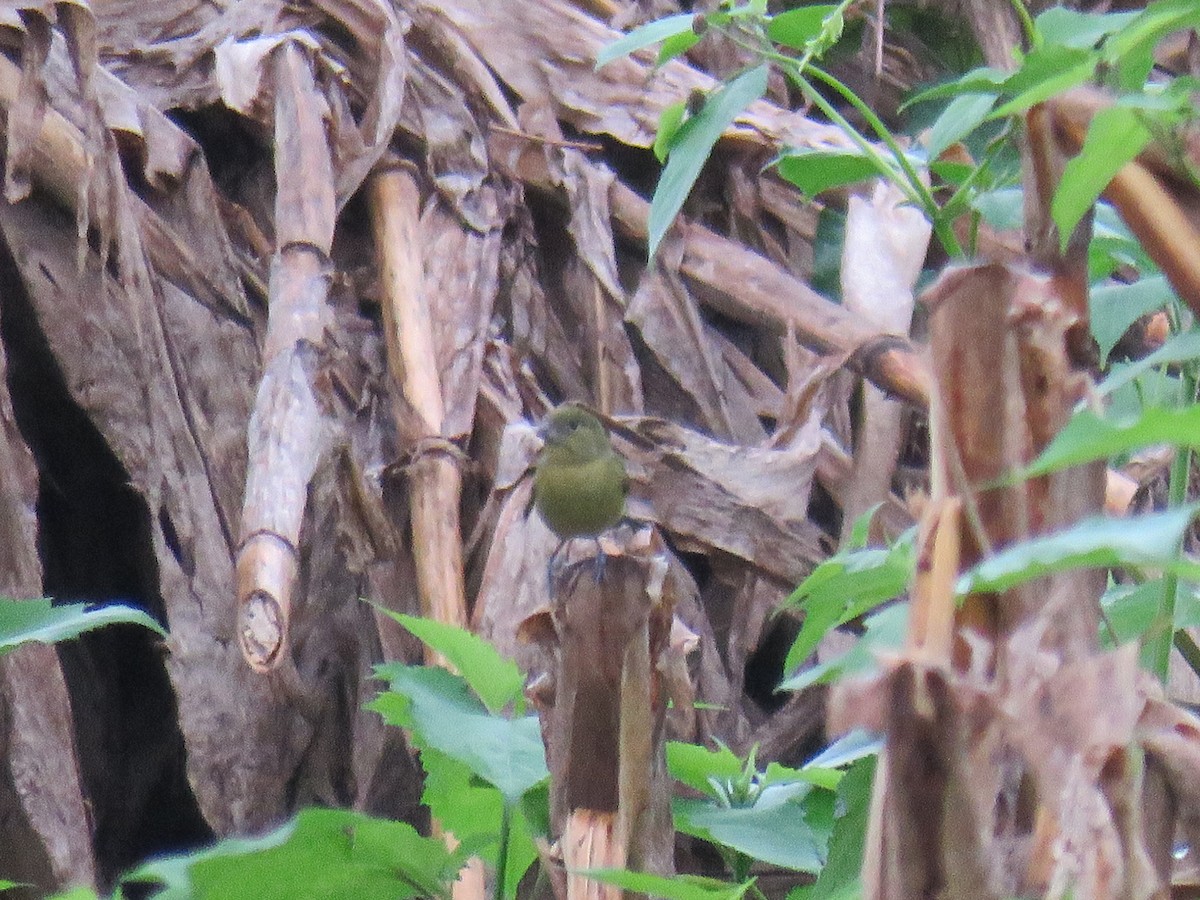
[(573, 434)]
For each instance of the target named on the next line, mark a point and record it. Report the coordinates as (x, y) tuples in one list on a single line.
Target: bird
[(579, 481)]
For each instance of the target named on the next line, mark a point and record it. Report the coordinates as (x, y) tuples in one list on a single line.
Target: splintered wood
[(603, 643), (1014, 763)]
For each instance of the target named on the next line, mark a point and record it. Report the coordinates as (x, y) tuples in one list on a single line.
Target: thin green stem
[(884, 135), (1188, 649), (505, 840), (1181, 467), (1027, 26)]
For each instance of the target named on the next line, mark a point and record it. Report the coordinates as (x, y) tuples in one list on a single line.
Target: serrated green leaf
[(675, 887), (840, 879), (815, 171), (443, 714), (962, 116), (320, 853), (1088, 437), (1115, 306), (39, 620), (1150, 541), (692, 145), (1115, 136), (773, 829), (1179, 348), (885, 630), (644, 36), (495, 680)]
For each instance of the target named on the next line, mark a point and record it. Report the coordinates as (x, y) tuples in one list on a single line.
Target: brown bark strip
[(435, 482), (58, 154), (287, 434)]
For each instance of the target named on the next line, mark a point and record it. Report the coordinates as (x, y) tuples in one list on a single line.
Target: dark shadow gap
[(94, 540)]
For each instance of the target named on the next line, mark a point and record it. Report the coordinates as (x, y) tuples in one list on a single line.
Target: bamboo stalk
[(434, 478), (288, 431), (435, 484)]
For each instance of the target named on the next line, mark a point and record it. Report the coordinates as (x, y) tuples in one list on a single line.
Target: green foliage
[(780, 815), (678, 887), (1089, 436), (495, 680), (22, 621), (693, 141), (848, 585), (1146, 542), (321, 853), (839, 880), (485, 771)]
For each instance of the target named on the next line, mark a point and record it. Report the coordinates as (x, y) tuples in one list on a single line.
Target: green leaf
[(692, 145), (495, 680), (844, 587), (644, 36), (773, 830), (1002, 208), (849, 748), (79, 893), (1179, 348), (677, 45), (960, 118), (1143, 541), (840, 880), (1115, 136), (814, 171), (322, 853), (443, 714), (675, 887), (1132, 48), (885, 630), (1069, 28), (39, 620), (797, 28), (695, 765), (978, 81), (1046, 71), (1115, 306), (472, 811), (1087, 437), (668, 124), (1130, 609)]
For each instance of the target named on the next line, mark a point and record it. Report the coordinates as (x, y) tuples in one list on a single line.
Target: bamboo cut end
[(266, 575)]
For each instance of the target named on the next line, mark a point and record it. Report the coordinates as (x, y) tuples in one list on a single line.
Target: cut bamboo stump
[(603, 715)]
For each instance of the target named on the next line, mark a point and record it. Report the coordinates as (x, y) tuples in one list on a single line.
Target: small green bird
[(579, 484)]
